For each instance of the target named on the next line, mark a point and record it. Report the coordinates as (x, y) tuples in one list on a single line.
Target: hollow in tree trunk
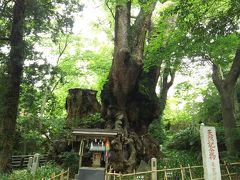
[(80, 104)]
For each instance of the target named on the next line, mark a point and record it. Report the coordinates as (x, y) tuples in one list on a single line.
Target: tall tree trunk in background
[(11, 96), (129, 101), (164, 87), (226, 88)]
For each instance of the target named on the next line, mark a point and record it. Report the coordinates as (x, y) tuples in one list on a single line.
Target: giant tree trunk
[(11, 96), (129, 101), (226, 88)]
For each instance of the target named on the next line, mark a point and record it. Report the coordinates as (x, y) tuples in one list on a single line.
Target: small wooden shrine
[(99, 143)]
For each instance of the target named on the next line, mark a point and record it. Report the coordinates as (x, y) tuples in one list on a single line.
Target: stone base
[(88, 173)]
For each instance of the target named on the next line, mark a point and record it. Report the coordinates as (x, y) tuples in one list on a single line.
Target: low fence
[(21, 161), (64, 175), (229, 171)]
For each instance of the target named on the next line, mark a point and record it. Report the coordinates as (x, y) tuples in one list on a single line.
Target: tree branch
[(234, 72), (122, 23), (61, 51), (111, 11), (216, 76), (56, 83), (172, 76), (138, 31), (166, 72)]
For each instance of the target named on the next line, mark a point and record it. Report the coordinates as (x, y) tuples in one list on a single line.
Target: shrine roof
[(94, 133)]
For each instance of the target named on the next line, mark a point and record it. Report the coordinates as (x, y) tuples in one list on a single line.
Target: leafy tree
[(13, 79), (214, 36), (210, 108), (164, 54), (226, 87), (23, 19)]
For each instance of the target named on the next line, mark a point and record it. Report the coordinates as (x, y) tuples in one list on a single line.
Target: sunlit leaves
[(211, 17), (211, 29), (167, 41)]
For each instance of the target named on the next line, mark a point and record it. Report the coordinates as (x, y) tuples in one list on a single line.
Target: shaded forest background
[(182, 55)]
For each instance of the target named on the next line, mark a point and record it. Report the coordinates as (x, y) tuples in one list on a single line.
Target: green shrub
[(71, 161), (21, 175), (42, 172), (156, 130), (220, 138), (3, 176), (186, 139), (47, 170), (91, 121), (174, 158)]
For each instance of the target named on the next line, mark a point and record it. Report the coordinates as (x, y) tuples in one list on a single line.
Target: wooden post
[(190, 171), (21, 162), (106, 163), (165, 173), (61, 175), (226, 166), (107, 175), (68, 174), (154, 168), (53, 176), (182, 173), (81, 153), (114, 176), (120, 176), (135, 175), (35, 163), (30, 161)]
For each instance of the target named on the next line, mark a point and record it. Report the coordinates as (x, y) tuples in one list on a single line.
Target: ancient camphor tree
[(129, 101)]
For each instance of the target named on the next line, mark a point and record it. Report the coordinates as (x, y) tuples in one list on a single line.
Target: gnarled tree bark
[(129, 101)]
